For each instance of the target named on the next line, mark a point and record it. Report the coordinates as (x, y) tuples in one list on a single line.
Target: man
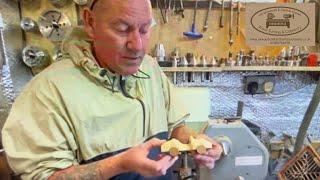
[(99, 113)]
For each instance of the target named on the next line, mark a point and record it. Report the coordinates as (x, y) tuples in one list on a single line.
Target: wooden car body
[(174, 146)]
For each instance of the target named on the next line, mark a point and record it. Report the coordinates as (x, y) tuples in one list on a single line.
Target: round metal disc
[(34, 56), (54, 25), (28, 24)]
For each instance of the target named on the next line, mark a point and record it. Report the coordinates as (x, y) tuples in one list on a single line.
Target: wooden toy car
[(174, 146)]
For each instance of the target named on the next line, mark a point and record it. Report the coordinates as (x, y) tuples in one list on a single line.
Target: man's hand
[(211, 155), (135, 159)]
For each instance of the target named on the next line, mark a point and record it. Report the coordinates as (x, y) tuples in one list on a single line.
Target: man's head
[(120, 31)]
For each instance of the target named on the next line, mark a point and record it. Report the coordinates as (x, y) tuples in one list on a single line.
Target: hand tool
[(203, 63), (231, 24), (205, 26), (192, 63), (162, 12), (184, 63), (181, 10), (222, 14), (193, 34), (175, 64), (238, 17)]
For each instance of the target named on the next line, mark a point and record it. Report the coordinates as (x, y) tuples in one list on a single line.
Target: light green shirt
[(74, 110)]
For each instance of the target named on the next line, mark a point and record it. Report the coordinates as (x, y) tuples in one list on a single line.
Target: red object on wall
[(312, 60)]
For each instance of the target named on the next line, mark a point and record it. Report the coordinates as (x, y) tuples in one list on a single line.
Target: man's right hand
[(136, 159), (133, 160)]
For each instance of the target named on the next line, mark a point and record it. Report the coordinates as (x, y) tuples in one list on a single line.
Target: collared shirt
[(75, 111)]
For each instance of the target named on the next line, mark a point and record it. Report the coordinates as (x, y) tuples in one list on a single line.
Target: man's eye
[(144, 30), (122, 28)]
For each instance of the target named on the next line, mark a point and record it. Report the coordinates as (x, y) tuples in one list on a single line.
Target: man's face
[(120, 32)]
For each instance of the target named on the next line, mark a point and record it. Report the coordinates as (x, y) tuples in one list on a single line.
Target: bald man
[(104, 110)]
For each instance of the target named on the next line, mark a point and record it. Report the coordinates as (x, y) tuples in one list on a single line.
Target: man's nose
[(134, 41)]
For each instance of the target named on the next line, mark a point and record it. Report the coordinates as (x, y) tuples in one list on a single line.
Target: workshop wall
[(214, 42), (215, 39)]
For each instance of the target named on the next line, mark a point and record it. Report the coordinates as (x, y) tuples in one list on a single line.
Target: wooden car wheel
[(201, 149), (173, 151), (193, 152)]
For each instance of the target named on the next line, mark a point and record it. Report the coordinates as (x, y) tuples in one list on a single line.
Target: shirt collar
[(78, 46)]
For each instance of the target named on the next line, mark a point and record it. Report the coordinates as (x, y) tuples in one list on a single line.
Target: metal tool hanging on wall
[(211, 63), (54, 25), (203, 63), (193, 34), (183, 63), (205, 26), (192, 63), (180, 10), (222, 15), (175, 61), (162, 7), (231, 24), (174, 64), (238, 17)]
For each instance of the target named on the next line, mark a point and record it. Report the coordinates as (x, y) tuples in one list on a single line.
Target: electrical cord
[(147, 76), (126, 94), (124, 91)]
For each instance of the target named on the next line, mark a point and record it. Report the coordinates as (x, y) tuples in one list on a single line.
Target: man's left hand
[(211, 156)]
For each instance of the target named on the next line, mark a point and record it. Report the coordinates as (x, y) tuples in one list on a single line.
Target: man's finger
[(208, 165), (167, 161), (160, 167), (167, 164), (154, 142), (215, 152), (160, 156), (206, 159), (204, 162)]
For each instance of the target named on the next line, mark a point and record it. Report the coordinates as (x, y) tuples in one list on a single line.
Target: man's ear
[(87, 17)]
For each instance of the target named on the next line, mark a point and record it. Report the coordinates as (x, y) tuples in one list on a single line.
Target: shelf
[(241, 68)]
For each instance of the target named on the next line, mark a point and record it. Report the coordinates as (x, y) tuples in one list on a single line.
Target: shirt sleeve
[(36, 136), (177, 113)]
